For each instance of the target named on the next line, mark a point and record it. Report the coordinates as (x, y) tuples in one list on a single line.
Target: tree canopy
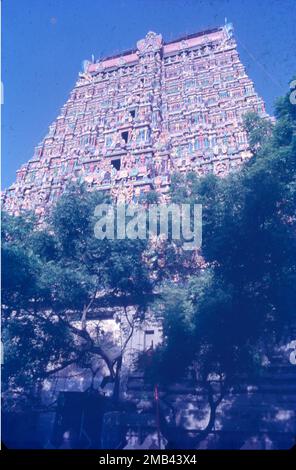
[(225, 320)]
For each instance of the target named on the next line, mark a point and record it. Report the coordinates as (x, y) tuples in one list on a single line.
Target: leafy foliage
[(223, 320)]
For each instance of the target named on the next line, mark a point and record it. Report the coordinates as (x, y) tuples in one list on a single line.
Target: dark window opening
[(124, 135), (148, 339), (116, 164), (132, 113)]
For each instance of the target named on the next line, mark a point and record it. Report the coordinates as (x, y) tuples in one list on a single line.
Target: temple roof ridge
[(227, 27)]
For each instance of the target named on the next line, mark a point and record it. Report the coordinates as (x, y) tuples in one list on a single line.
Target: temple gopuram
[(134, 119)]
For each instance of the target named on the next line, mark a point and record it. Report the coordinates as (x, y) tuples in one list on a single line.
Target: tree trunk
[(116, 390)]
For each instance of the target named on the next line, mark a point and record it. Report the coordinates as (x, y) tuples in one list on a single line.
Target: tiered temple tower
[(134, 119)]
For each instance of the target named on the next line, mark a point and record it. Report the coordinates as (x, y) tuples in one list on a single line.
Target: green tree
[(53, 278), (228, 316)]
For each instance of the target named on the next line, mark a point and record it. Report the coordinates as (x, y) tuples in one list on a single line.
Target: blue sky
[(45, 41)]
